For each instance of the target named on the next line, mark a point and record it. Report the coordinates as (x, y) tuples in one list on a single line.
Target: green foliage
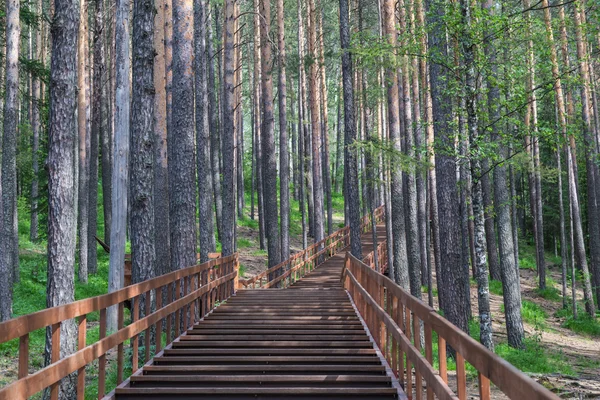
[(496, 287), (535, 358), (244, 243), (550, 293), (584, 324), (532, 314)]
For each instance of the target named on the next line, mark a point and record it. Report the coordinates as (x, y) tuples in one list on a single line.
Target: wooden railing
[(395, 319), (191, 293), (382, 258), (299, 264)]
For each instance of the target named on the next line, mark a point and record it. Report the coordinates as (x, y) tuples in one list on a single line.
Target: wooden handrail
[(201, 287), (393, 314), (299, 264)]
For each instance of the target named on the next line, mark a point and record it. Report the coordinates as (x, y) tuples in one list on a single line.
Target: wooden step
[(293, 360)]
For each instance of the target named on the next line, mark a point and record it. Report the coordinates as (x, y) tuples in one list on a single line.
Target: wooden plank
[(102, 359), (54, 357), (484, 387), (135, 306), (461, 377), (120, 352), (23, 356), (147, 304), (81, 343)]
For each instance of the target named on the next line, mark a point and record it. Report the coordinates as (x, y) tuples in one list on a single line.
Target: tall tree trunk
[(412, 223), (315, 117), (9, 239), (480, 260), (258, 128), (325, 121), (205, 190), (451, 283), (400, 266), (419, 143), (284, 159), (213, 123), (269, 162), (162, 237), (182, 201), (301, 127), (579, 242), (490, 230), (563, 235), (98, 126), (228, 132), (62, 223), (106, 132), (590, 137), (120, 175), (36, 126), (142, 147), (350, 162), (433, 221)]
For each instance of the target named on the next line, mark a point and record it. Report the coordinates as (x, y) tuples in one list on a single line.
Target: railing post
[(236, 280), (80, 345), (24, 356)]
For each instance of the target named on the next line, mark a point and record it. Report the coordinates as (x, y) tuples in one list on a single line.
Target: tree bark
[(284, 159), (228, 132), (98, 114), (162, 237), (454, 279), (182, 201), (400, 267), (480, 260), (120, 175), (315, 119), (213, 123), (205, 190), (412, 222), (350, 162), (269, 163), (9, 239), (142, 146), (62, 223), (36, 127)]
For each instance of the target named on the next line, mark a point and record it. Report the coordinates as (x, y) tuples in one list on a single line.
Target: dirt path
[(579, 351)]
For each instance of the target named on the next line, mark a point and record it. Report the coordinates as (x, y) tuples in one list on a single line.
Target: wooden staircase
[(304, 342)]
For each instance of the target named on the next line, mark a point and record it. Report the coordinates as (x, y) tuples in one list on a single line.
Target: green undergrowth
[(533, 358), (584, 324)]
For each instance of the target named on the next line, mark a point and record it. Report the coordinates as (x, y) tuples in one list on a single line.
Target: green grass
[(584, 324), (496, 287), (534, 358), (244, 243), (532, 314), (550, 293)]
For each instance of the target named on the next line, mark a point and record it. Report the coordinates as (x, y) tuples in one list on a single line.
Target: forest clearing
[(304, 199)]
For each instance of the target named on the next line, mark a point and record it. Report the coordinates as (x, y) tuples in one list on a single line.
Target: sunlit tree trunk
[(228, 132), (350, 162), (284, 161), (162, 237), (579, 240), (9, 239), (120, 175), (203, 165), (315, 118), (62, 223)]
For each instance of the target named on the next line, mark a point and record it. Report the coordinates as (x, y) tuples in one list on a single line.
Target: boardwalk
[(303, 342)]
